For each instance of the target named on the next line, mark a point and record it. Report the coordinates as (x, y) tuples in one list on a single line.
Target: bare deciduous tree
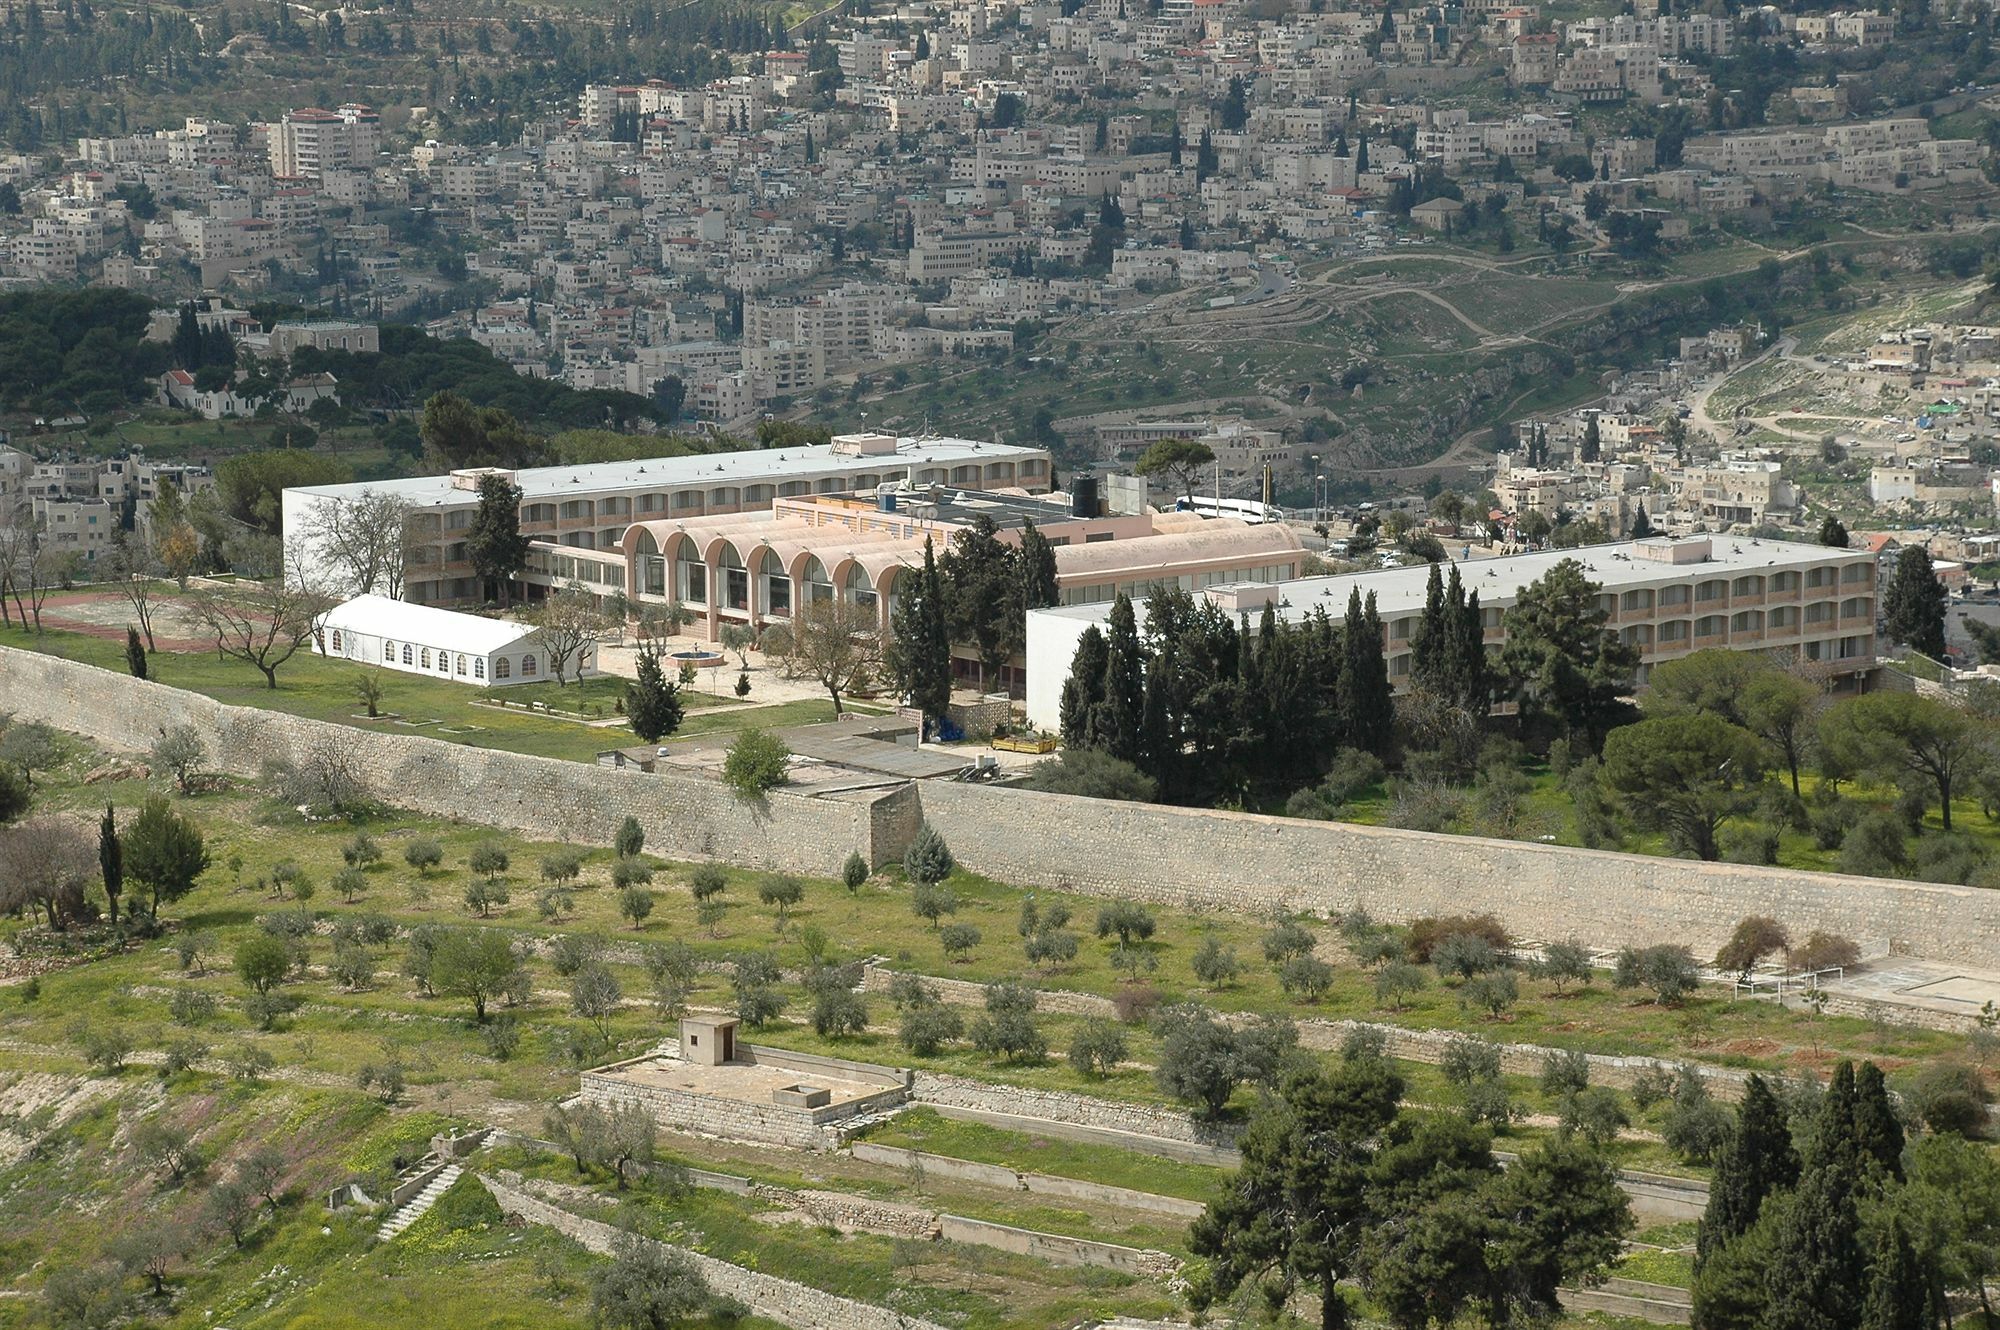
[(27, 562), (133, 568), (364, 543), (262, 623), (46, 863), (568, 622), (838, 643)]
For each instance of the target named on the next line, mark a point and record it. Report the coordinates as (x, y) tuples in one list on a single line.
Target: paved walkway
[(1929, 985)]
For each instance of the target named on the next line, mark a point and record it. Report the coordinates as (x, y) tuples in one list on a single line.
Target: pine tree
[(1913, 605), (1083, 691), (1816, 1273), (1758, 1161), (1899, 1284), (652, 701)]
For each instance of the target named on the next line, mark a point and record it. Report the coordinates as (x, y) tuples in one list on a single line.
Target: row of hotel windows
[(1104, 592), (420, 657), (1846, 648)]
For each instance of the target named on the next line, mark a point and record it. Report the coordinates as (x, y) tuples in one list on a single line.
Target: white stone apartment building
[(308, 142)]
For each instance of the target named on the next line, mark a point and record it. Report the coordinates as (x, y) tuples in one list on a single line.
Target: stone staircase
[(413, 1209)]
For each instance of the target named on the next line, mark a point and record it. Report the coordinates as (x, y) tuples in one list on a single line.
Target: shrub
[(1425, 934), (958, 940), (931, 901), (503, 1035), (1007, 1030), (190, 1006), (105, 1047), (1468, 1058), (423, 854), (925, 1030), (1695, 1126), (1950, 1097), (631, 838), (184, 1054), (1215, 965), (1750, 843), (854, 872), (561, 866), (1135, 1003), (1823, 951), (1668, 969), (1756, 936), (1286, 940), (1492, 993), (248, 1062), (1563, 963), (838, 1012), (1595, 1114), (1652, 1086), (631, 871), (1199, 1062), (1463, 956), (1397, 983), (353, 965), (1875, 846), (634, 904), (1097, 1048), (1306, 977), (755, 984), (928, 859), (1565, 1072), (756, 762)]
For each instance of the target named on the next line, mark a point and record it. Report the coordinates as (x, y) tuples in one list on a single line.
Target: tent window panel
[(503, 668)]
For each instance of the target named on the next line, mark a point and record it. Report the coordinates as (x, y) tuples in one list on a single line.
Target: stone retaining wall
[(685, 817), (1246, 863), (1058, 1106), (996, 1175), (1057, 1249), (782, 1300)]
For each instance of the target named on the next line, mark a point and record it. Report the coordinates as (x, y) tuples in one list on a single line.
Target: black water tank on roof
[(1083, 496)]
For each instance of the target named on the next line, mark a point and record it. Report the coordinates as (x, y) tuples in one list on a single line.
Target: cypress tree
[(1832, 1138), (111, 859), (923, 640), (1757, 1161), (652, 701), (1899, 1283), (1878, 1135), (1473, 686), (1158, 747), (1037, 568), (1642, 525), (1913, 604), (1124, 684), (1432, 653), (1816, 1272), (1366, 712), (135, 654), (1083, 691)]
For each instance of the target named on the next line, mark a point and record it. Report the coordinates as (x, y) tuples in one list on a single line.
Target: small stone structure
[(708, 1084)]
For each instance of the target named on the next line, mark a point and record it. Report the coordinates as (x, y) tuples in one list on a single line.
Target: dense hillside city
[(951, 665)]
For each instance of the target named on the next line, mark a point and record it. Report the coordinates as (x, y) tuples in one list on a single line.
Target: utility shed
[(444, 644)]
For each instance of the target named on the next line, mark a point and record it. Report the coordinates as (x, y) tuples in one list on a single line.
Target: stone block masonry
[(1188, 858), (684, 817), (1248, 863), (782, 1300)]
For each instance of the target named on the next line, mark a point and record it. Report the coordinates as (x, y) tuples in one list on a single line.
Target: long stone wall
[(684, 816), (1185, 857), (1243, 862), (782, 1300)]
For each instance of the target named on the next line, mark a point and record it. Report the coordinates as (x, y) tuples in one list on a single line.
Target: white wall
[(1051, 646)]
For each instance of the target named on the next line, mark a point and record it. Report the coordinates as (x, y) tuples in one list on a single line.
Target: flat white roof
[(746, 465), (426, 625), (1400, 591)]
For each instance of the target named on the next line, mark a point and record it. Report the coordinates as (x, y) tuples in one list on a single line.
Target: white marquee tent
[(444, 644)]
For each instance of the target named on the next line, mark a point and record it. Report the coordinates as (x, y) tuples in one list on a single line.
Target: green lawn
[(324, 689)]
